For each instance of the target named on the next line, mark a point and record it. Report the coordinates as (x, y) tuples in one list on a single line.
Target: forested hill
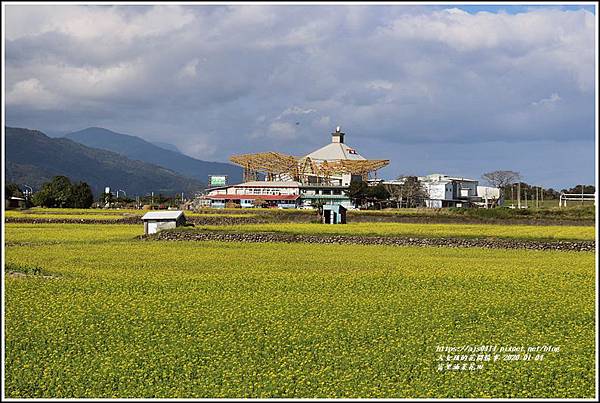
[(33, 158), (139, 149)]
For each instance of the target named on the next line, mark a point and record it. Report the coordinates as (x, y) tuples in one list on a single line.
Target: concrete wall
[(152, 226)]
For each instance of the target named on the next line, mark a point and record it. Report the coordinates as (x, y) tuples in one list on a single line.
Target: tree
[(581, 189), (56, 193), (501, 179), (43, 197), (377, 193), (12, 190), (357, 192), (413, 191), (260, 203), (318, 205), (551, 194), (60, 192), (395, 192), (82, 195)]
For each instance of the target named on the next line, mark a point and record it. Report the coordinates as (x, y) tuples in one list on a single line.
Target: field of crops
[(419, 230), (575, 213), (65, 214), (547, 212), (111, 316), (100, 214)]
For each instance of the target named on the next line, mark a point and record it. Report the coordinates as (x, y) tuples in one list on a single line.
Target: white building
[(283, 194), (281, 190), (452, 191), (155, 221), (449, 191)]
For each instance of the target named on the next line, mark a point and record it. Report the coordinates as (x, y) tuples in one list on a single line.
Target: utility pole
[(519, 195), (582, 195), (537, 201), (512, 195)]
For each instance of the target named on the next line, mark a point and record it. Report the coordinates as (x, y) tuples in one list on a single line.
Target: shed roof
[(162, 215)]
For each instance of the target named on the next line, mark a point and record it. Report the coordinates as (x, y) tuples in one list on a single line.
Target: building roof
[(334, 152), (442, 177), (270, 184), (253, 197), (162, 215)]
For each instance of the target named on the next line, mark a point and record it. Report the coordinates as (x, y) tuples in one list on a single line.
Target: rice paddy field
[(92, 311)]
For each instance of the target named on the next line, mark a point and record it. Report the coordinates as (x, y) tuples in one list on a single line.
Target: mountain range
[(33, 158), (137, 148), (167, 146)]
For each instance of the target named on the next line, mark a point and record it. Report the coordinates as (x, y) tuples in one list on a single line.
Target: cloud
[(221, 80), (31, 93), (294, 110), (90, 22), (380, 85), (281, 130), (547, 101), (190, 70)]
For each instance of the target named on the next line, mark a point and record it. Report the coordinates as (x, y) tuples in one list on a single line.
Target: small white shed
[(155, 221)]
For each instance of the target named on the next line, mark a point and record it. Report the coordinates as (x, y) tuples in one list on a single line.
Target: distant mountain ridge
[(33, 158), (139, 149), (167, 146)]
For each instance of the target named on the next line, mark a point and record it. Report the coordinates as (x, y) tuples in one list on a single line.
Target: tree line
[(62, 193), (59, 192)]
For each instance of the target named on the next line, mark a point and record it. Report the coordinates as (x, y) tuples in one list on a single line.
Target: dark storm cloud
[(219, 80)]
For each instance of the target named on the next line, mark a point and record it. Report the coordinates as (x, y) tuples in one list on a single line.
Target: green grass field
[(552, 203), (119, 317), (545, 212)]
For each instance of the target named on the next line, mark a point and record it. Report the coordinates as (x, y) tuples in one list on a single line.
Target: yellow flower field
[(114, 316)]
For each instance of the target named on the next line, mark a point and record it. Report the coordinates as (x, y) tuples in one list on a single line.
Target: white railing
[(580, 197)]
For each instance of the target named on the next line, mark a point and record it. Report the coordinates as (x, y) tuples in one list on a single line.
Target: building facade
[(321, 177)]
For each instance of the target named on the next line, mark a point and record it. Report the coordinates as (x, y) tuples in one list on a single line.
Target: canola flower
[(550, 232), (125, 318)]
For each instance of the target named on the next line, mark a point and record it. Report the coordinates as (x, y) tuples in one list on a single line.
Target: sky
[(454, 89)]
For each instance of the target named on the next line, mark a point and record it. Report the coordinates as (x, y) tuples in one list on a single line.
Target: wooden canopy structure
[(300, 168), (269, 163)]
